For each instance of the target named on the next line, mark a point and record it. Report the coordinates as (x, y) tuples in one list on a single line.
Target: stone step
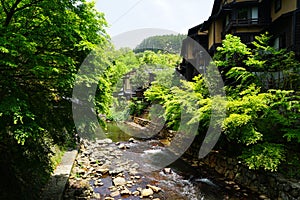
[(55, 188)]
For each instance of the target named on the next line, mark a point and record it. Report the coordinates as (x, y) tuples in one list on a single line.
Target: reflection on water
[(115, 133)]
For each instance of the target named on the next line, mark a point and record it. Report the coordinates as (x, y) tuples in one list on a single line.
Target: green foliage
[(261, 126), (137, 107), (157, 94), (167, 43), (184, 98), (264, 122), (42, 45), (142, 70), (265, 155), (243, 114), (232, 53)]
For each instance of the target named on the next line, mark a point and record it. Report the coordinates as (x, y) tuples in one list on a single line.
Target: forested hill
[(170, 43)]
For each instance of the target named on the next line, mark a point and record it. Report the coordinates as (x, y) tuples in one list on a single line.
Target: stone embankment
[(270, 185)]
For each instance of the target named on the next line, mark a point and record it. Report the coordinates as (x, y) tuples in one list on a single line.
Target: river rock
[(116, 170), (136, 193), (132, 140), (81, 171), (263, 197), (114, 194), (119, 181), (96, 196), (98, 183), (154, 188), (146, 192), (123, 146), (93, 161), (125, 191), (135, 165), (167, 170), (102, 170), (87, 153), (113, 188), (133, 172), (104, 141)]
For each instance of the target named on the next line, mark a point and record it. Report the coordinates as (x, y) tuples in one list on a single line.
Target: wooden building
[(246, 19)]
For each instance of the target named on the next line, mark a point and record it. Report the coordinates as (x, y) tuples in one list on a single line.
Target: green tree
[(167, 43), (261, 127), (259, 119), (42, 45)]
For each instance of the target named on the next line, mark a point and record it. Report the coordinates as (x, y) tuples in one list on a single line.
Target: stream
[(102, 163)]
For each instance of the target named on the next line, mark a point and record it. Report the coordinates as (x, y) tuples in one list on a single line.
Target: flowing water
[(185, 181)]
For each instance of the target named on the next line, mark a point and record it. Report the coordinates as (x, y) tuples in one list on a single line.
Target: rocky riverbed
[(103, 170), (125, 168)]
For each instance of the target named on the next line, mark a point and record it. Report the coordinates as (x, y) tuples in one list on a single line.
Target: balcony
[(253, 22)]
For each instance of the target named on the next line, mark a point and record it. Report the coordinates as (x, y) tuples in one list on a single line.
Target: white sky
[(177, 16)]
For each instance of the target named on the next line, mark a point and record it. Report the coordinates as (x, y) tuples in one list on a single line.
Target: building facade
[(246, 19)]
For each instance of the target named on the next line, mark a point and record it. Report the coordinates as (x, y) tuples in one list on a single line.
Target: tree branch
[(11, 12), (4, 8), (28, 5)]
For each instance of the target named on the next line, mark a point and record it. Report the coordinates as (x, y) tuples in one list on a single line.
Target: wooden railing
[(246, 22)]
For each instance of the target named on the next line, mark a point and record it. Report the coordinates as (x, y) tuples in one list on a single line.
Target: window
[(254, 15), (276, 43), (280, 41), (243, 13), (277, 5), (248, 15), (228, 19)]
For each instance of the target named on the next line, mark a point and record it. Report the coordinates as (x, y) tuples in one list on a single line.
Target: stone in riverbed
[(102, 170), (125, 191), (131, 140), (167, 170), (104, 141), (114, 194), (146, 192), (154, 188), (123, 146), (263, 197), (113, 188), (81, 171), (93, 161), (129, 185), (98, 183), (135, 165), (136, 193), (116, 170), (96, 196), (119, 181), (133, 172)]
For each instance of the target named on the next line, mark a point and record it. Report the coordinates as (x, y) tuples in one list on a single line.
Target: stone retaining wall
[(141, 121), (273, 185)]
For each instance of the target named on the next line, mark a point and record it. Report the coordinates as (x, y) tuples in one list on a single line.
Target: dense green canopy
[(42, 44)]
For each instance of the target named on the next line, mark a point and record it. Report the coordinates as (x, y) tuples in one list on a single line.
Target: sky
[(132, 20)]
